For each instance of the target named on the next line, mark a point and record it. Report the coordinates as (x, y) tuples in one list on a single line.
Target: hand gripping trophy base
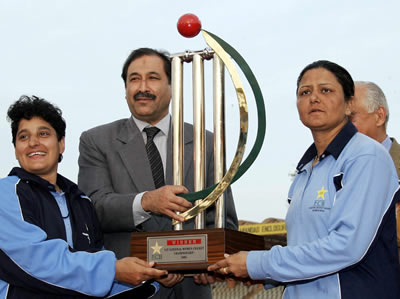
[(191, 251)]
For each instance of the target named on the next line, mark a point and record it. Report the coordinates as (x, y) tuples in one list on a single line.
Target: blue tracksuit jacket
[(341, 225), (35, 259)]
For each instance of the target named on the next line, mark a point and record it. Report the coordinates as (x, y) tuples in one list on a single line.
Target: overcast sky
[(71, 53)]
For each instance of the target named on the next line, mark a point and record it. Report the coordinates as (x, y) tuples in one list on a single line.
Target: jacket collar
[(334, 148), (395, 153), (65, 184)]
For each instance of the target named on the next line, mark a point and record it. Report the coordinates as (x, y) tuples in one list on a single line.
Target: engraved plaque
[(177, 249), (216, 242)]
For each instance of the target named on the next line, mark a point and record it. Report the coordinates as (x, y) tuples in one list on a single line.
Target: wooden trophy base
[(191, 251)]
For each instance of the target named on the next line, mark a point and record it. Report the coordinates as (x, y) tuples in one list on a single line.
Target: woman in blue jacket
[(341, 229), (50, 240)]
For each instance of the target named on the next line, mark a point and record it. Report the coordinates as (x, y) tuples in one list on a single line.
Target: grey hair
[(374, 98)]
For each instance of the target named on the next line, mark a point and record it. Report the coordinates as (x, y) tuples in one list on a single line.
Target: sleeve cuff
[(254, 264), (139, 215)]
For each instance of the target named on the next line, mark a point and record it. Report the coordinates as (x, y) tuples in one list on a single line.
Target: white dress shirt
[(160, 140)]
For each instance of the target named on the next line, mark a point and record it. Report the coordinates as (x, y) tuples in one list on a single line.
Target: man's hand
[(170, 280), (204, 278), (234, 264), (164, 201), (134, 271)]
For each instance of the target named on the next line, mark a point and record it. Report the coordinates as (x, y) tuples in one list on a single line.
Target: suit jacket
[(395, 153), (113, 169)]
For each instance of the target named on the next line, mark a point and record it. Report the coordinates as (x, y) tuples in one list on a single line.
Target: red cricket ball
[(189, 25)]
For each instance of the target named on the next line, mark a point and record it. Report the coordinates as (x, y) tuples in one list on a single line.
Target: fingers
[(141, 262), (148, 273), (224, 270), (171, 280), (179, 204), (197, 279), (218, 265), (134, 271), (153, 273), (179, 277), (165, 201), (176, 217), (177, 189), (171, 211), (234, 264), (204, 278), (221, 267), (210, 278), (200, 279)]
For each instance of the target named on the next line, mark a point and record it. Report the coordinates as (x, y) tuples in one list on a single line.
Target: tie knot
[(151, 132)]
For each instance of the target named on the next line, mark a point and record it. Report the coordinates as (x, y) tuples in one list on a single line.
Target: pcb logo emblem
[(156, 255), (320, 201)]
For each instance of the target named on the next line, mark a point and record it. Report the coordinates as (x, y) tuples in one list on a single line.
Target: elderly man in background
[(370, 114)]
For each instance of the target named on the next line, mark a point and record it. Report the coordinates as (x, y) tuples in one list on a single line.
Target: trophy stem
[(219, 135), (177, 124), (198, 131)]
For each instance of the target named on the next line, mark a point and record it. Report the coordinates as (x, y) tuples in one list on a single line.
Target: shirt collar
[(334, 148), (163, 124), (387, 143)]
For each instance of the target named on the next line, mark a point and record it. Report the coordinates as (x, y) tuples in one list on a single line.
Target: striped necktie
[(154, 157)]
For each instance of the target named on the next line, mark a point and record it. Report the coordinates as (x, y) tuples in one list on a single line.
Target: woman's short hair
[(341, 74), (27, 107)]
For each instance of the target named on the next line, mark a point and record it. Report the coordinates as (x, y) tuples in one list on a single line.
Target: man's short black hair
[(143, 52), (27, 107)]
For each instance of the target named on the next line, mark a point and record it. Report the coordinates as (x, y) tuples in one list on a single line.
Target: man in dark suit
[(114, 168)]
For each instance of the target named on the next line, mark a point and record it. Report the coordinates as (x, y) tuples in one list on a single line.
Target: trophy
[(192, 251)]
